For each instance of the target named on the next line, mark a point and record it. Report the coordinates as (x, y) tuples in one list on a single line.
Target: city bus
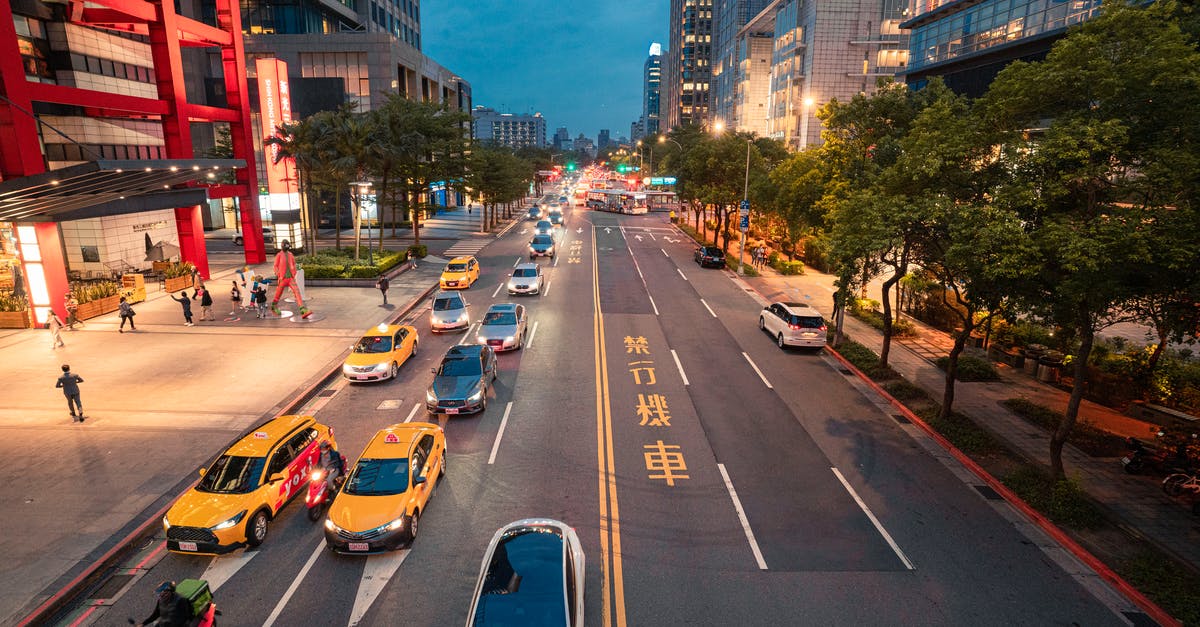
[(617, 201), (658, 200)]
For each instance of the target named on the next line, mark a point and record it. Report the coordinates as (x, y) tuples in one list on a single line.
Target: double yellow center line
[(610, 520)]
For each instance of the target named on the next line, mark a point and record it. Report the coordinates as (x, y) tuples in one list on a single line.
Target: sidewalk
[(160, 402), (1137, 502)]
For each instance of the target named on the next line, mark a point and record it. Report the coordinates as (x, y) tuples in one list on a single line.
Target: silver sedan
[(503, 327), (449, 312), (526, 278)]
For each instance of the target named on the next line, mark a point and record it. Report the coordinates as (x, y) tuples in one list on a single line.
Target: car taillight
[(794, 327)]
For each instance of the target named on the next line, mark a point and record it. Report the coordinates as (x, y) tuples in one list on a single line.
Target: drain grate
[(111, 587), (326, 393), (846, 371), (1139, 619), (988, 493), (901, 419)]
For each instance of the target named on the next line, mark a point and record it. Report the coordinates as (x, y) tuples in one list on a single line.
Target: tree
[(1104, 189), (800, 183)]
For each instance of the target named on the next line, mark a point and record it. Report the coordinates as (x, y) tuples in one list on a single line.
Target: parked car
[(793, 324), (710, 256), (268, 238), (532, 574), (503, 327), (461, 382), (526, 278)]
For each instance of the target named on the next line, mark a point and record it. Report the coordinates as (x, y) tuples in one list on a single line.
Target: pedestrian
[(126, 313), (187, 308), (55, 324), (260, 299), (469, 208), (69, 382), (235, 296), (382, 284), (205, 302), (71, 304)]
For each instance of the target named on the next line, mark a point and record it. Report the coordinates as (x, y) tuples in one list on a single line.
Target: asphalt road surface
[(713, 478)]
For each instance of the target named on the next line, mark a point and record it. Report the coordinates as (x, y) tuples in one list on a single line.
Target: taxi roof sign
[(391, 438), (260, 435)]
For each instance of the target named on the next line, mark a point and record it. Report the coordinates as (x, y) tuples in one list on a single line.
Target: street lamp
[(357, 189), (804, 115)]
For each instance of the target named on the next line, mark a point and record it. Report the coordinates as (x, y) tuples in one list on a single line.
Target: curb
[(1058, 535), (43, 613)]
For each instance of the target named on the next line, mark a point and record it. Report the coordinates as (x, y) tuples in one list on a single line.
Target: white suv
[(793, 324)]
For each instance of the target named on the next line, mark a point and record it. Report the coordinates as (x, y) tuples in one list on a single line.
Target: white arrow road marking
[(579, 230), (220, 569), (376, 575), (607, 230), (524, 231), (638, 237), (672, 241), (287, 596)]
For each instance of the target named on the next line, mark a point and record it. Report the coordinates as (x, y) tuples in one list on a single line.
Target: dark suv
[(710, 256)]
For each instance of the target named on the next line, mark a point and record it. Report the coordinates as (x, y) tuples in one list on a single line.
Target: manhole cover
[(390, 404), (901, 419), (111, 587)]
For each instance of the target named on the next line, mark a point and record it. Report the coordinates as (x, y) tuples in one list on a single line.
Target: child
[(235, 295), (261, 298)]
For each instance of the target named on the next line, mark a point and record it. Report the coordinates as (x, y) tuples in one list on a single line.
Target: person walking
[(71, 304), (187, 308), (126, 313), (69, 382), (205, 303), (383, 285), (55, 324), (235, 295)]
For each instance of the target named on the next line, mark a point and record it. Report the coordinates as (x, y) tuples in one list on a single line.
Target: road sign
[(745, 208), (745, 223)]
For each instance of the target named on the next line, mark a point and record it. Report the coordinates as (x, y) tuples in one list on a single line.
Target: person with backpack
[(205, 303), (126, 313)]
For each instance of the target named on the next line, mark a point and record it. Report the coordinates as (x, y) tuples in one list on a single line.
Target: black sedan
[(710, 257), (462, 380)]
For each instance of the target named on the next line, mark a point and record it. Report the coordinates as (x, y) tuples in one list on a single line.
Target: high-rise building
[(688, 65), (508, 129), (583, 145), (602, 140), (968, 43), (820, 51), (636, 130), (562, 139), (732, 57), (651, 90)]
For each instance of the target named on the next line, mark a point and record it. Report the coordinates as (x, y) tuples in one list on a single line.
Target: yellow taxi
[(460, 273), (246, 487), (381, 352), (380, 503)]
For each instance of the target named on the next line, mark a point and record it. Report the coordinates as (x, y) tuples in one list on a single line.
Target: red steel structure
[(20, 150)]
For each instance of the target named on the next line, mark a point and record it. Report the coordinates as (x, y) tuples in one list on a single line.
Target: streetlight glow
[(808, 102), (718, 126)]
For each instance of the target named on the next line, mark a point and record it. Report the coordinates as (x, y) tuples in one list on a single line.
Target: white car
[(526, 278), (793, 324), (449, 312), (532, 574), (268, 238)]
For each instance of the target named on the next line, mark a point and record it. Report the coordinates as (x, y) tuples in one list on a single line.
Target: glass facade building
[(689, 63)]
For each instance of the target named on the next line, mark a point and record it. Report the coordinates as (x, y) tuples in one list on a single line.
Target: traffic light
[(622, 168), (570, 166)]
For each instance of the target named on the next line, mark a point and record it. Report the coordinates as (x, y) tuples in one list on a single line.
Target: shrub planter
[(14, 319), (174, 284), (99, 307)]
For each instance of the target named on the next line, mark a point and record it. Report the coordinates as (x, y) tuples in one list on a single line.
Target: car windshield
[(232, 474), (544, 224), (446, 304), (374, 344), (525, 272), (456, 267), (542, 239), (459, 367), (500, 317), (807, 322), (524, 582), (378, 477)]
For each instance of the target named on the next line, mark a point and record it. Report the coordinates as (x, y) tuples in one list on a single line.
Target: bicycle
[(1181, 483)]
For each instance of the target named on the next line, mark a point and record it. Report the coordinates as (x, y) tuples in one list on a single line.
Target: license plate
[(450, 410), (187, 546), (1125, 460), (361, 377), (360, 546)]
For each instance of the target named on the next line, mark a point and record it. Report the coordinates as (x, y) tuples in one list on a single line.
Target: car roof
[(801, 309), (395, 440), (501, 307), (461, 259), (538, 595), (260, 441), (526, 266), (383, 329), (464, 350)]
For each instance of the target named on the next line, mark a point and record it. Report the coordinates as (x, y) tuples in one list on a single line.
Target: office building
[(602, 140), (636, 130), (968, 43), (508, 129), (651, 90), (562, 139), (584, 146), (688, 65), (736, 57)]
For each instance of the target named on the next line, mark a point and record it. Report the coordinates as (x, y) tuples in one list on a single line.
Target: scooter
[(318, 493), (206, 618), (1141, 458)]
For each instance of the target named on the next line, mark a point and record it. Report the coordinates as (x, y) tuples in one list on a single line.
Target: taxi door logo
[(296, 472)]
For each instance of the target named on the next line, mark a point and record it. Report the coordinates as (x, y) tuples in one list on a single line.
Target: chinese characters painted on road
[(667, 460), (664, 462)]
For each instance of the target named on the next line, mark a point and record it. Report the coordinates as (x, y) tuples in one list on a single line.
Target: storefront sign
[(275, 108), (148, 226)]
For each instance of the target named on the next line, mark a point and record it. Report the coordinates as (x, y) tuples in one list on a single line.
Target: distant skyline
[(577, 63)]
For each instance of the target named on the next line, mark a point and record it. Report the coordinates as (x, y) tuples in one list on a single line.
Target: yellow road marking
[(610, 521)]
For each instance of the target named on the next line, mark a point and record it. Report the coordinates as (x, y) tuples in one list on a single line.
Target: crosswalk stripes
[(466, 247)]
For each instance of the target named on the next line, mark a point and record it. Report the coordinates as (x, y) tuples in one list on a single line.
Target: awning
[(105, 188)]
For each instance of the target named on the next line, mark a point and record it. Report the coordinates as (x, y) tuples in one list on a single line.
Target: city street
[(713, 478)]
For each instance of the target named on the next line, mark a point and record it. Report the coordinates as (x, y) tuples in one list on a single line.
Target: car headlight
[(383, 366), (332, 527), (430, 397), (166, 523), (481, 339), (395, 524), (229, 523), (476, 397), (509, 338), (532, 249)]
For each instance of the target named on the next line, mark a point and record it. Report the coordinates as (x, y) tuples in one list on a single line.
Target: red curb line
[(1059, 536), (54, 603)]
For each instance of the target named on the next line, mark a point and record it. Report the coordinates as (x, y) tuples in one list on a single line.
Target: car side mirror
[(202, 471), (277, 477), (419, 480), (433, 370)]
